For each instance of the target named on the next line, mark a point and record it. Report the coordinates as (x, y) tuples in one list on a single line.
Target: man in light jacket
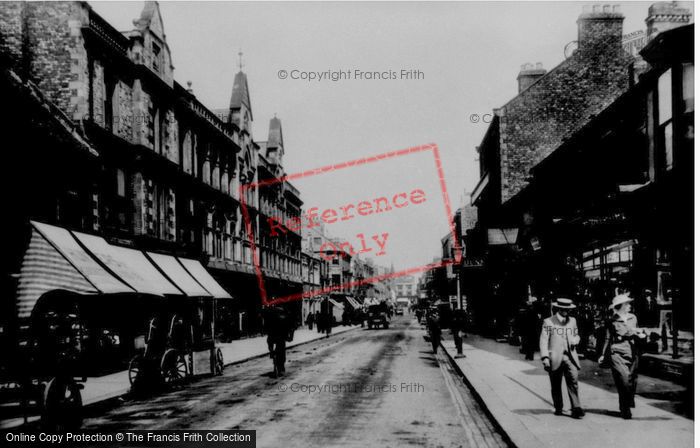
[(558, 342)]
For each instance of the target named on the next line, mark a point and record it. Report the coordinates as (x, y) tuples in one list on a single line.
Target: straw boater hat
[(620, 299), (562, 303)]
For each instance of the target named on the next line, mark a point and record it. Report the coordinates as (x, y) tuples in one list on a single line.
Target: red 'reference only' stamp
[(375, 243)]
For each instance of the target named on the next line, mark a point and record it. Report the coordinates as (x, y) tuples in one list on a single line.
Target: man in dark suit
[(647, 310)]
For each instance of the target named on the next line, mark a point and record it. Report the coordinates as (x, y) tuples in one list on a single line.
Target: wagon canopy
[(55, 261)]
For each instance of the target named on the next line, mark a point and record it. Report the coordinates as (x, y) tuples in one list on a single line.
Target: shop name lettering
[(366, 243)]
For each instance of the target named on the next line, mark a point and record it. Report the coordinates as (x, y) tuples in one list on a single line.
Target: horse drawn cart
[(40, 374), (179, 344), (79, 303)]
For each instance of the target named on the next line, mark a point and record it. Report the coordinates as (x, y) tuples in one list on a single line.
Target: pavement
[(518, 397), (107, 387), (365, 388)]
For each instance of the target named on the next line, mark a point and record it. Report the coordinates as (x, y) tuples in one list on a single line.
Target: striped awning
[(204, 278), (336, 304), (130, 265), (55, 261), (172, 268)]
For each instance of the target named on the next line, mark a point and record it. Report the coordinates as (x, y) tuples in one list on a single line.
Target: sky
[(469, 54)]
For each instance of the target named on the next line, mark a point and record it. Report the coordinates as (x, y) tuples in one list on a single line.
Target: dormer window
[(156, 61)]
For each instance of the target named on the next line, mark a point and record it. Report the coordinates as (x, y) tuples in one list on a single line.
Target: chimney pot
[(664, 16), (600, 25), (529, 74)]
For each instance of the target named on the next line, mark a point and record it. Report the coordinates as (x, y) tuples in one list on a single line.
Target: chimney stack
[(529, 74), (665, 16), (600, 25)]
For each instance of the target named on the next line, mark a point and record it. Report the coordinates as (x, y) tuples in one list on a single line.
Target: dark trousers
[(435, 340), (530, 345), (569, 371), (458, 341), (278, 349), (624, 372)]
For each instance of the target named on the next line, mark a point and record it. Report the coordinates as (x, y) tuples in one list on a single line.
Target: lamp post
[(458, 269)]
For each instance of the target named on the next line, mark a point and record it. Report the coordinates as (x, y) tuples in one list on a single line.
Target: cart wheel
[(62, 405), (219, 366), (134, 369), (173, 366)]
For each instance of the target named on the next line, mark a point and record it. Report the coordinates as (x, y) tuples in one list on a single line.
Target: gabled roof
[(239, 95), (150, 18)]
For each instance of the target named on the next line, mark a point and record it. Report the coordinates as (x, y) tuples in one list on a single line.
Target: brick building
[(517, 227), (155, 169)]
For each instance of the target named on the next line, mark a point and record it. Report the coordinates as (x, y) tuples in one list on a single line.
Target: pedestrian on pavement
[(647, 310), (328, 325), (317, 319), (621, 351), (458, 325), (310, 320), (531, 328), (558, 342), (279, 330), (434, 330)]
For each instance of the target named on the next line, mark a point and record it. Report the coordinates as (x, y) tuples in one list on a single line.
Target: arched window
[(206, 174), (157, 133), (187, 153), (215, 177)]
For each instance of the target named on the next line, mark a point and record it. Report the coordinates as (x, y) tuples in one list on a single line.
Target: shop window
[(665, 97), (121, 183), (688, 87), (668, 145), (626, 254), (664, 290), (665, 108)]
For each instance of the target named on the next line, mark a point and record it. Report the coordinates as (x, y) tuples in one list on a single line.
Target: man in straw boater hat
[(621, 351), (558, 341)]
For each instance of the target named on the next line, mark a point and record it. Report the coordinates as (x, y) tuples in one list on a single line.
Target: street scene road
[(348, 224), (373, 388)]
